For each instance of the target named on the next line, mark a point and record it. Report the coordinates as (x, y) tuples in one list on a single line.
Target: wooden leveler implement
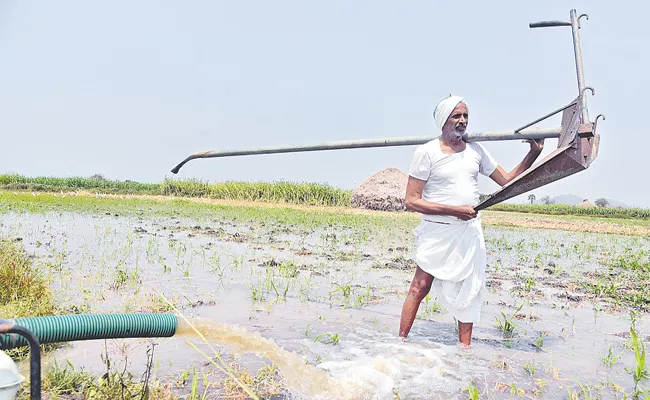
[(577, 145)]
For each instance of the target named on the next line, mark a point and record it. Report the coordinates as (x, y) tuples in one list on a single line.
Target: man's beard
[(456, 134)]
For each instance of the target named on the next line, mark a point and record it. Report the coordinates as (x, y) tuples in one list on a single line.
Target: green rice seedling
[(283, 289), (166, 268), (194, 394), (586, 391), (121, 276), (288, 270), (507, 326), (345, 289), (258, 294), (152, 249), (610, 359), (434, 307), (305, 289), (334, 338), (530, 368), (364, 297), (541, 386), (514, 390), (539, 343), (472, 391), (216, 267), (528, 285), (639, 372)]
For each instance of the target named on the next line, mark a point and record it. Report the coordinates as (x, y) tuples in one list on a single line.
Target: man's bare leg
[(420, 286), (465, 332)]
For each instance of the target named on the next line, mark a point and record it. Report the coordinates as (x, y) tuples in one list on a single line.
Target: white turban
[(445, 108)]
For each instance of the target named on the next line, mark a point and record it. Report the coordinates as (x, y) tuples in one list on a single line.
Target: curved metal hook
[(582, 15), (592, 90), (596, 120)]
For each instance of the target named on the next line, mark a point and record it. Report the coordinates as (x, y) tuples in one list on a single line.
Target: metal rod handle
[(575, 31), (546, 24), (533, 133)]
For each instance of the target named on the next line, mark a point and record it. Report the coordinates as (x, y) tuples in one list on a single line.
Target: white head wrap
[(444, 109)]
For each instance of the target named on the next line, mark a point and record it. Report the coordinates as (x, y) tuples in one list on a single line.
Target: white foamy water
[(367, 365)]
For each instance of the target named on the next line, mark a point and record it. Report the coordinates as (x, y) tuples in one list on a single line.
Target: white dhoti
[(454, 254)]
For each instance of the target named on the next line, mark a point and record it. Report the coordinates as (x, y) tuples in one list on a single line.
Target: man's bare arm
[(501, 177), (414, 202)]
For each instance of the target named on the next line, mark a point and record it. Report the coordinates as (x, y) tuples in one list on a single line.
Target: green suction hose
[(68, 328)]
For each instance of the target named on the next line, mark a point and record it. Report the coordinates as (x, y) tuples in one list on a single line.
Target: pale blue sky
[(130, 88)]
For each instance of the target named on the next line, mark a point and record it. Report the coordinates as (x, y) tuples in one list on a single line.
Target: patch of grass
[(584, 392), (66, 382), (266, 383), (25, 292), (563, 209), (283, 192), (180, 208), (96, 183), (277, 192)]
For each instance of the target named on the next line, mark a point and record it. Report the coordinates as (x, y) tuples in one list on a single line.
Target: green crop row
[(563, 209), (289, 192), (278, 192)]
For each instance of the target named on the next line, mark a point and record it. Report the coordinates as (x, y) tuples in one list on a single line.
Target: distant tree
[(602, 202), (546, 200), (532, 198), (99, 177)]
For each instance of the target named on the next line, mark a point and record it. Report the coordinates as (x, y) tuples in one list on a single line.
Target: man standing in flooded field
[(442, 186)]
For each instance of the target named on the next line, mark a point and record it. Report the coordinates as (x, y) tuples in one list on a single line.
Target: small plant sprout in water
[(539, 343), (364, 297), (528, 285), (610, 359), (434, 307), (583, 392), (507, 325), (514, 390), (472, 391), (530, 368), (639, 372), (345, 289), (334, 338)]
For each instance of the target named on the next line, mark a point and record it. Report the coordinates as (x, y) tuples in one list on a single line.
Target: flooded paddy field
[(306, 304)]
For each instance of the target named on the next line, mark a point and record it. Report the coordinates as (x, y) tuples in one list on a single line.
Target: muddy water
[(324, 304)]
